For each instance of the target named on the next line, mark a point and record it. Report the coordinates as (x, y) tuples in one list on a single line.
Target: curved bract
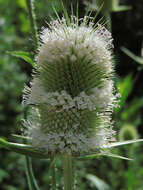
[(72, 94)]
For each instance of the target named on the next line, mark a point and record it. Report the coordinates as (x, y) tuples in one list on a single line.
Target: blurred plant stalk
[(32, 18), (108, 6), (32, 183), (68, 174), (134, 57)]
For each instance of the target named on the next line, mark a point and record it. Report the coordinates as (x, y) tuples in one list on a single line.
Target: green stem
[(68, 174), (32, 183), (30, 176), (52, 168), (32, 17)]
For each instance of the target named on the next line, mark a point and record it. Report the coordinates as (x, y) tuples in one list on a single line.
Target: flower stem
[(52, 168), (32, 183), (32, 17), (68, 174)]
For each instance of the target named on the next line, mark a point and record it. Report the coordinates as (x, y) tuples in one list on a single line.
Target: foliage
[(11, 85)]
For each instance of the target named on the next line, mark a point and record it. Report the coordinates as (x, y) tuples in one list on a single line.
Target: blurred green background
[(127, 30)]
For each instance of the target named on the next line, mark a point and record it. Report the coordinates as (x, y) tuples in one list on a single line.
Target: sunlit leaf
[(116, 144), (23, 55), (122, 8), (116, 156), (22, 149), (97, 182), (94, 156), (21, 3), (21, 137)]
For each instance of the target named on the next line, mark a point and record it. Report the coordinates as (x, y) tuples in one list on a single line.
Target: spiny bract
[(72, 94)]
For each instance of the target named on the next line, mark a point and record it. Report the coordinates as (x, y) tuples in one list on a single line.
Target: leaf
[(132, 56), (98, 183), (132, 109), (116, 144), (121, 8), (23, 55), (93, 156), (3, 174), (112, 145), (124, 87), (88, 157), (116, 156), (22, 3), (23, 149), (9, 187), (21, 137), (129, 177)]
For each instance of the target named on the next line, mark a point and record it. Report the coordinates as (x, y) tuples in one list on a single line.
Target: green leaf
[(121, 8), (23, 55), (3, 174), (21, 137), (129, 177), (116, 144), (132, 109), (9, 187), (116, 156), (98, 183), (23, 149), (89, 157), (93, 156), (132, 56), (124, 87), (21, 3)]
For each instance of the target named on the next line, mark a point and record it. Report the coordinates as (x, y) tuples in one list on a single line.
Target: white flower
[(72, 93)]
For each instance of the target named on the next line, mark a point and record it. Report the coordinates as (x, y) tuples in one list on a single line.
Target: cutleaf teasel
[(72, 93)]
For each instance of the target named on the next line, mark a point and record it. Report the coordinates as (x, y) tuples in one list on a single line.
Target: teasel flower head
[(72, 93), (128, 132)]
